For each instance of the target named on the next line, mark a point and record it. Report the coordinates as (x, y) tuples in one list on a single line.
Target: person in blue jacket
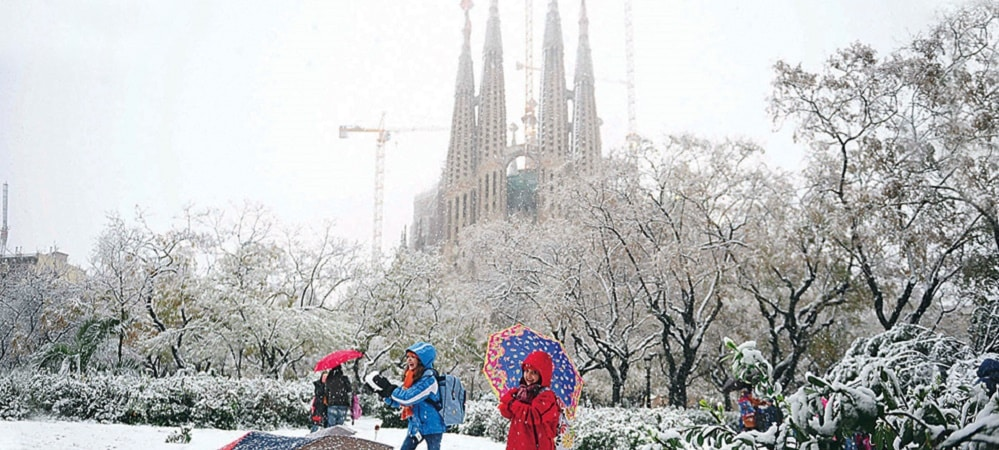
[(417, 397)]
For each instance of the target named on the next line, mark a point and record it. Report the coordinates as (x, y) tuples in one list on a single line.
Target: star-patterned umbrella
[(506, 351)]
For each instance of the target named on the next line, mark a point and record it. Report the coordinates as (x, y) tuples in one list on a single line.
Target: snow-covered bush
[(905, 388), (619, 428), (180, 436), (389, 416), (13, 404), (482, 418), (199, 400)]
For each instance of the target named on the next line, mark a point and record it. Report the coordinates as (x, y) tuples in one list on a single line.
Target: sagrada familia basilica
[(488, 175)]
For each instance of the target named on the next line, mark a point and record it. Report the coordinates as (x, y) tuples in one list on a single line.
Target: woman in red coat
[(532, 407)]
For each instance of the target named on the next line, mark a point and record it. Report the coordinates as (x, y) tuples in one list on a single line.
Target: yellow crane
[(383, 135)]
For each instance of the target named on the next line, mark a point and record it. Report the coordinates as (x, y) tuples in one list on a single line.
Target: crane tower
[(383, 135), (629, 53), (530, 120), (3, 230)]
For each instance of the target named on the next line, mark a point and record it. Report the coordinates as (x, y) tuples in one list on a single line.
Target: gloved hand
[(377, 382), (385, 393), (383, 383), (526, 394), (385, 386), (523, 395)]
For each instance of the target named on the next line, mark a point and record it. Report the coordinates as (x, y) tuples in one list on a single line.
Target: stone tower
[(458, 187), (481, 181)]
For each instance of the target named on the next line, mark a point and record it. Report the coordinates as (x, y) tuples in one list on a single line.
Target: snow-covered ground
[(93, 436)]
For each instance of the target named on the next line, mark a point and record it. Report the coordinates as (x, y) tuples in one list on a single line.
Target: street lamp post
[(648, 379)]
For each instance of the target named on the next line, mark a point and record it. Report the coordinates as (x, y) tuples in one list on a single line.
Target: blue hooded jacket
[(426, 418)]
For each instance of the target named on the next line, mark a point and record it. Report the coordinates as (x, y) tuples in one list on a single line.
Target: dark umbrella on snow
[(258, 440), (336, 442)]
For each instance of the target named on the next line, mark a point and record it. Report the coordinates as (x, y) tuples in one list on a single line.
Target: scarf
[(528, 392), (407, 382)]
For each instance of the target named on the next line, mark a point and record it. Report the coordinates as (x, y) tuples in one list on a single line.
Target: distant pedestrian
[(338, 395), (749, 408), (318, 410), (988, 374)]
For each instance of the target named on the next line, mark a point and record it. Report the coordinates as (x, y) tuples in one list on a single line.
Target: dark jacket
[(338, 389), (319, 400)]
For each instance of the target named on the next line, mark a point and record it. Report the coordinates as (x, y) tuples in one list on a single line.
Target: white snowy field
[(31, 434)]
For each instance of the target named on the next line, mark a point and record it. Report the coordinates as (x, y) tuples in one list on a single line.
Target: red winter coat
[(534, 425)]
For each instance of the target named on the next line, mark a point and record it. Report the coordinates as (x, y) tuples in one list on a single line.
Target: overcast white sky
[(106, 105)]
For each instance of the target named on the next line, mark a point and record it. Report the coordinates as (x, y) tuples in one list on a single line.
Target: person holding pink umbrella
[(338, 394), (334, 389)]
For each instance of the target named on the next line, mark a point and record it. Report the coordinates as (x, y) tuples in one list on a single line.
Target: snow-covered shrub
[(198, 400), (180, 436), (619, 428), (905, 388), (12, 401), (389, 416), (916, 355), (482, 418)]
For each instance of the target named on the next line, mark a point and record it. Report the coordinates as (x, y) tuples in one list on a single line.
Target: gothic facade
[(488, 175)]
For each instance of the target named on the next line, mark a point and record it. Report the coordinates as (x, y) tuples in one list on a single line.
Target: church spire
[(553, 133), (491, 186), (585, 123), (554, 115), (459, 182)]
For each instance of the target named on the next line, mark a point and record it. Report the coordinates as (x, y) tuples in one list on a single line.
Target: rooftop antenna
[(3, 231)]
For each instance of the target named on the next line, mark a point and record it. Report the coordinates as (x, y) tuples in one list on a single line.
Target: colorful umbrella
[(336, 358), (508, 348)]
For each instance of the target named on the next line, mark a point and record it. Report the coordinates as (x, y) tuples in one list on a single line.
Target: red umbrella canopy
[(336, 358)]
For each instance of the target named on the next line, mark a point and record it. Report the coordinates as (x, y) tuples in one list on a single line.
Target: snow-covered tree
[(668, 223), (231, 292), (137, 275), (268, 293), (554, 278), (873, 160), (37, 305), (798, 278), (415, 298), (951, 74)]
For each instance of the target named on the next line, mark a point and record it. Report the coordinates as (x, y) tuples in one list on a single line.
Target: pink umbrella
[(336, 358)]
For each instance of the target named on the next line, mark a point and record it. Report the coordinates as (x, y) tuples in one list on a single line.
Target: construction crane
[(629, 53), (3, 229), (530, 120), (383, 135)]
